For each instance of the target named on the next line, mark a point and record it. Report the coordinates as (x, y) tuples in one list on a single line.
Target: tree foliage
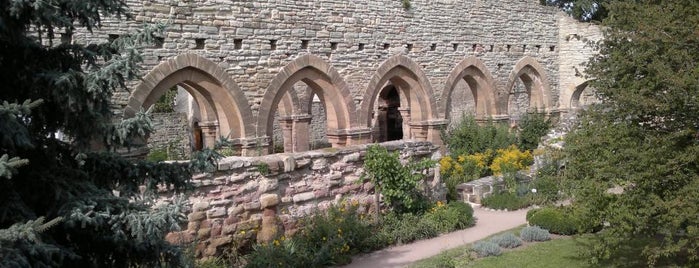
[(99, 203), (643, 141), (584, 10)]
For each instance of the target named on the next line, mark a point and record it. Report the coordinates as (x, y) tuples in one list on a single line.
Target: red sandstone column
[(301, 133), (405, 114), (287, 125), (209, 131)]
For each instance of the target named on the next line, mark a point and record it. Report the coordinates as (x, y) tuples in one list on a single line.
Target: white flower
[(534, 190)]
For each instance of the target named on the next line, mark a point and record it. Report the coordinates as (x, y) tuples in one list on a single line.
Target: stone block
[(179, 238), (196, 216), (319, 164), (218, 212), (204, 233), (269, 200), (303, 197), (200, 206)]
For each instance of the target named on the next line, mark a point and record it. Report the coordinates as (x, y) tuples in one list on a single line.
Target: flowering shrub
[(464, 168), (511, 159)]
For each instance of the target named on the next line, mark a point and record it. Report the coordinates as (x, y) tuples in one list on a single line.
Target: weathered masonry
[(380, 72)]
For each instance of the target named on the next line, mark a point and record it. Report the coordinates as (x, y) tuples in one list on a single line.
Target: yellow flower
[(242, 232), (276, 242), (324, 238)]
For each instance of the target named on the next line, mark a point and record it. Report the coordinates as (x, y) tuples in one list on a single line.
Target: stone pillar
[(405, 114), (287, 126), (429, 130), (209, 132), (359, 136), (302, 132), (255, 146)]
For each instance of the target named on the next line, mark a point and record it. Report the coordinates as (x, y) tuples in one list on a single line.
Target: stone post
[(287, 126), (301, 132), (405, 114), (209, 131)]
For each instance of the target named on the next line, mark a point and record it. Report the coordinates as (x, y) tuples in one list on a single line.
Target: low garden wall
[(260, 198), (474, 191)]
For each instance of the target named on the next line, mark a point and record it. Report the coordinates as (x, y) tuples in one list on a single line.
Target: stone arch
[(416, 92), (578, 94), (208, 83), (483, 87), (531, 72), (326, 83)]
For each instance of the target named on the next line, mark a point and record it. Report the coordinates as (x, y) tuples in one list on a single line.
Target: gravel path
[(488, 223)]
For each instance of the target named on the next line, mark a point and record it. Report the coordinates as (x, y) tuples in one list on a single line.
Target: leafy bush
[(485, 249), (531, 212), (505, 200), (398, 183), (548, 179), (403, 228), (507, 240), (554, 220), (329, 238), (534, 234), (468, 137), (450, 217), (532, 127), (157, 155), (563, 220)]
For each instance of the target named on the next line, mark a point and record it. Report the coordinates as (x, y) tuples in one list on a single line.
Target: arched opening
[(213, 104), (319, 135), (583, 96), (528, 89), (309, 74), (389, 118), (469, 90), (417, 109), (463, 102), (520, 100)]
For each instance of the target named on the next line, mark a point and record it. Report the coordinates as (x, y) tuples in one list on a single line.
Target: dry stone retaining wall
[(261, 197)]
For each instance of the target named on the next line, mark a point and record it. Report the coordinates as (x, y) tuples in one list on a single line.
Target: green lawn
[(563, 252)]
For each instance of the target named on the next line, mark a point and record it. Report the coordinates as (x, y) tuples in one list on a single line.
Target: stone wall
[(348, 51), (171, 133), (435, 34), (260, 197), (253, 43)]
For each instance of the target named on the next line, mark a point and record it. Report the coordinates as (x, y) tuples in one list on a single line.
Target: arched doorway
[(389, 118), (417, 107)]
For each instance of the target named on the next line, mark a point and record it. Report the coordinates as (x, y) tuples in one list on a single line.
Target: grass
[(560, 252), (563, 252), (463, 252)]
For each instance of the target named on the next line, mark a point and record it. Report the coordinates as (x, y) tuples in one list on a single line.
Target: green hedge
[(562, 220)]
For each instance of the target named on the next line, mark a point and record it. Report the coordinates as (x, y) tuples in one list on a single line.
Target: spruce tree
[(61, 203)]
